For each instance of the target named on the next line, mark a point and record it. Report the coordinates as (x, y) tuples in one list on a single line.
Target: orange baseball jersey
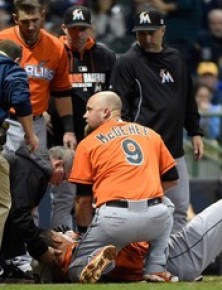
[(46, 64), (129, 263), (123, 161)]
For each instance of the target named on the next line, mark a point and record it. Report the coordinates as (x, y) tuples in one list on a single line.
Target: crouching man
[(29, 178)]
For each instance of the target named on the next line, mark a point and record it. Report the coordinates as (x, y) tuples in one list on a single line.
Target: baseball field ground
[(209, 282)]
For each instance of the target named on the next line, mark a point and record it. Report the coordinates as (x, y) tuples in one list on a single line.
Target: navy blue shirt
[(14, 89)]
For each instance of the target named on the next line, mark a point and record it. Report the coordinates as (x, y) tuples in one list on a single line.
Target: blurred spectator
[(54, 12), (183, 20), (208, 74), (208, 45), (208, 5), (58, 7), (109, 23), (5, 16), (211, 125)]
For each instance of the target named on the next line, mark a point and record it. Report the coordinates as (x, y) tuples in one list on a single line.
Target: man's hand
[(198, 147), (51, 256), (30, 138), (32, 142), (69, 140)]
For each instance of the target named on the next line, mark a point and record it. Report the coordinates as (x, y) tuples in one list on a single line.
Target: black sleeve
[(22, 219), (122, 82), (84, 189), (61, 94), (192, 117), (170, 175)]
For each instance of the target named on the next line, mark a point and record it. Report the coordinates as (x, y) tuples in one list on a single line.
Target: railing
[(210, 166)]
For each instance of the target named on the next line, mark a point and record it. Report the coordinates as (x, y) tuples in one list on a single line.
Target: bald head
[(108, 99), (102, 107)]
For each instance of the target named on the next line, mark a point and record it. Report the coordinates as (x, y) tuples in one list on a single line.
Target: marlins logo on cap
[(148, 20), (78, 16)]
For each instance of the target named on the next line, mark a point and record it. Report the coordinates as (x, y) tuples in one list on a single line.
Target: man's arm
[(198, 147), (30, 138), (84, 212), (61, 91), (83, 206), (167, 185), (63, 106), (192, 121), (17, 91), (169, 179)]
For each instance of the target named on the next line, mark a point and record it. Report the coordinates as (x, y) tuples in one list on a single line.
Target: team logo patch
[(144, 17), (166, 77), (78, 15)]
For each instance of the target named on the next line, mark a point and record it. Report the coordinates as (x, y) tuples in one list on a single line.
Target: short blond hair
[(26, 5)]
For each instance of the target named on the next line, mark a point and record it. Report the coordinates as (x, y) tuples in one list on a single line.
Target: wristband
[(67, 122)]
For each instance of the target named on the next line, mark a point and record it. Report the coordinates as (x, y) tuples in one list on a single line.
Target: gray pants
[(197, 245), (63, 197), (180, 196), (119, 227), (15, 134)]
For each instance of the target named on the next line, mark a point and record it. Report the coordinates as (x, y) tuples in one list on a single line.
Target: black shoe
[(13, 274)]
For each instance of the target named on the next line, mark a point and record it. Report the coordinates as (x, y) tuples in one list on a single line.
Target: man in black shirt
[(156, 91), (90, 65)]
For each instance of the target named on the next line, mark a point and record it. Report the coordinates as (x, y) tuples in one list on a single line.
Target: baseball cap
[(148, 19), (77, 16), (207, 67)]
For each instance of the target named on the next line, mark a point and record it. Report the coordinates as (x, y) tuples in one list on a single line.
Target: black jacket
[(14, 89), (89, 73), (156, 90), (29, 176)]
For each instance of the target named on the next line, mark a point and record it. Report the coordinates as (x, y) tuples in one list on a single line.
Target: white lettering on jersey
[(81, 85), (94, 78), (39, 71), (78, 15), (166, 77), (144, 17)]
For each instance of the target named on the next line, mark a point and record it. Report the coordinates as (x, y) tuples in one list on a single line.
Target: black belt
[(13, 117), (124, 203)]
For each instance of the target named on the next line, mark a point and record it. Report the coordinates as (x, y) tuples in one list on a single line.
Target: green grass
[(210, 282)]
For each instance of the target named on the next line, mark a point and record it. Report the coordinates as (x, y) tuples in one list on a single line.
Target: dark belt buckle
[(154, 201)]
